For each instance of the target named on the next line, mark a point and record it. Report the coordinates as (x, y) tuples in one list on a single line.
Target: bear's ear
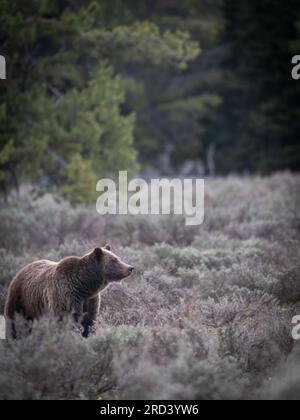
[(98, 254), (107, 247)]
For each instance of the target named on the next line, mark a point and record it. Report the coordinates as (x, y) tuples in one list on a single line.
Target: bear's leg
[(77, 311), (91, 309), (11, 331), (19, 320), (12, 308)]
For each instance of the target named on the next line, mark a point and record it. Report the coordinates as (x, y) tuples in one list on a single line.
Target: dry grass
[(207, 314)]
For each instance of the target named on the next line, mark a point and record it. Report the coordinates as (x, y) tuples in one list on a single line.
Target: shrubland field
[(207, 314)]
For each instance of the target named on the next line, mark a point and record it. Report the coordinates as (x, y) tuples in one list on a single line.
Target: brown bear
[(71, 286)]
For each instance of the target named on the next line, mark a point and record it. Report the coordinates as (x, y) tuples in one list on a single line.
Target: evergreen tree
[(259, 120), (63, 98)]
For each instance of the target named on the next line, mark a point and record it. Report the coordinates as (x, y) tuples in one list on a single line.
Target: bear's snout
[(129, 270)]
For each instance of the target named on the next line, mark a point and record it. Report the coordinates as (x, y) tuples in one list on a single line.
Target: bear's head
[(112, 267), (101, 267), (106, 266)]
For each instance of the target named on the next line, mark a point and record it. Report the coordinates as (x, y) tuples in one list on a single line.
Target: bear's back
[(32, 288), (38, 271)]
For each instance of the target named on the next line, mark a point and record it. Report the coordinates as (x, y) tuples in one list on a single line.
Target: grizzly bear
[(72, 286)]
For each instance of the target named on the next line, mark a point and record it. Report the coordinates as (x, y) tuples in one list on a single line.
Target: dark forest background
[(190, 87)]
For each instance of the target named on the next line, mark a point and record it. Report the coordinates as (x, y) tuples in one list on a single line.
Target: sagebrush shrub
[(51, 363), (206, 315), (285, 385)]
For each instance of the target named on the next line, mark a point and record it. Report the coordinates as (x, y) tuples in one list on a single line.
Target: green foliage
[(66, 68), (144, 42), (80, 181), (85, 135), (260, 116), (190, 87), (5, 157)]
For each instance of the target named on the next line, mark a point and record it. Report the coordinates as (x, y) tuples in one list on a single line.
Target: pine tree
[(260, 113), (65, 94)]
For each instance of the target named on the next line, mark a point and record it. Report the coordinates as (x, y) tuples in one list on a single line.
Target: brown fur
[(72, 286)]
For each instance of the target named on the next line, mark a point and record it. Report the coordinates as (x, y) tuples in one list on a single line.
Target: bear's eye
[(114, 266)]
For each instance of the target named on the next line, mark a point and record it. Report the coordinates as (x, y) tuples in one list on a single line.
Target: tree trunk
[(210, 159)]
